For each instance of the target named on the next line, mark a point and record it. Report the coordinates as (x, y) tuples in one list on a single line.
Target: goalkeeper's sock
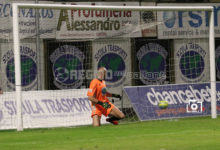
[(113, 120)]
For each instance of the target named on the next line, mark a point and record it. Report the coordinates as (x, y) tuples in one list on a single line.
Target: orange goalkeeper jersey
[(96, 89)]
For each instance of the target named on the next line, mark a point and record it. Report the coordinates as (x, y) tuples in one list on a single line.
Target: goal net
[(152, 54)]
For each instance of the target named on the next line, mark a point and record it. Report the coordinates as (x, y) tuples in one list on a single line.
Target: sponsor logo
[(104, 91), (194, 106), (115, 63), (193, 19), (187, 24), (67, 67), (148, 17), (41, 108), (46, 107), (169, 18), (6, 11), (92, 20), (191, 62), (28, 68), (174, 96), (183, 100), (112, 57), (152, 63)]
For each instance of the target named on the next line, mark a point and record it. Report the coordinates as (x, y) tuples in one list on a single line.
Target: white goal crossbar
[(16, 41)]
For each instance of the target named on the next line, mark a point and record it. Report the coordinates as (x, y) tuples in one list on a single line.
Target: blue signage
[(67, 66), (152, 63), (184, 100), (192, 64), (114, 62), (194, 19), (28, 70)]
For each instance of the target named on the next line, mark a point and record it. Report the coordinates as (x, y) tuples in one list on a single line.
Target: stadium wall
[(130, 46)]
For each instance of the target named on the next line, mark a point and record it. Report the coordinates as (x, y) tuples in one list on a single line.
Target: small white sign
[(194, 106)]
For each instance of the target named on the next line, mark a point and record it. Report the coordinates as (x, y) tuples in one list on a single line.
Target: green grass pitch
[(202, 133)]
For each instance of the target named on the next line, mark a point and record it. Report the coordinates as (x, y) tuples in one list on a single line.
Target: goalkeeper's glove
[(116, 96), (105, 105)]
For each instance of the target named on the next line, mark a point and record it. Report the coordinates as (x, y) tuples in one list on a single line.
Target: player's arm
[(108, 94), (113, 95)]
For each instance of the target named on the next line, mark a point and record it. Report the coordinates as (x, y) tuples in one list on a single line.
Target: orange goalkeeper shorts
[(99, 110)]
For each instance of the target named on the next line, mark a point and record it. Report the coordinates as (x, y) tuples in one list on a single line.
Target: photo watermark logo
[(62, 74), (194, 106)]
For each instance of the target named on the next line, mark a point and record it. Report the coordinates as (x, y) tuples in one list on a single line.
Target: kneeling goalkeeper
[(97, 94)]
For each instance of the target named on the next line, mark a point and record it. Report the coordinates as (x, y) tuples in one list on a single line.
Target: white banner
[(148, 21), (81, 24), (27, 22), (191, 61), (115, 56), (69, 24), (186, 24), (43, 109)]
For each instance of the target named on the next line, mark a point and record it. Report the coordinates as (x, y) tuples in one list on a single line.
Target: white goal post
[(16, 41)]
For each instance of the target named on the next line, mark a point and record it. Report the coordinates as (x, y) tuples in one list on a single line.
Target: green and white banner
[(152, 62), (191, 61), (115, 56), (67, 65), (29, 66), (32, 72)]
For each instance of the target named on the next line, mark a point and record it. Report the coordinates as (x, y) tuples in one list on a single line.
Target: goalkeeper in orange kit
[(98, 94)]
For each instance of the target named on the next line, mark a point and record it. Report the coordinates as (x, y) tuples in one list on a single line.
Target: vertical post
[(39, 84), (212, 65), (16, 44)]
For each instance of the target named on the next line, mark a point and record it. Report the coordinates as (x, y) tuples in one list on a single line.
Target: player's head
[(101, 73)]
